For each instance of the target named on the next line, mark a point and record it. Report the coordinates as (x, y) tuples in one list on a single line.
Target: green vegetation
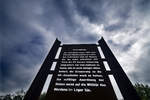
[(142, 90), (15, 96), (42, 97)]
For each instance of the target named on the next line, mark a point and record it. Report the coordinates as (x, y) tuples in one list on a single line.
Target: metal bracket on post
[(37, 85), (124, 84)]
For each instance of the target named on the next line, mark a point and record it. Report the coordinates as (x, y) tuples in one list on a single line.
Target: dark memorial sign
[(80, 73)]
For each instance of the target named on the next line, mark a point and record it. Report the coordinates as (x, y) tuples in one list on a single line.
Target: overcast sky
[(29, 27)]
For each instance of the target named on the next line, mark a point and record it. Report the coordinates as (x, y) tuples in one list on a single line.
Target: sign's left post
[(37, 85)]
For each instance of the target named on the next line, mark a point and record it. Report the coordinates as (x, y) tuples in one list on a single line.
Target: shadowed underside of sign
[(80, 73)]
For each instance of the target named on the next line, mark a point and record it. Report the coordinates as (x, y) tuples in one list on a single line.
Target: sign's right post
[(124, 84)]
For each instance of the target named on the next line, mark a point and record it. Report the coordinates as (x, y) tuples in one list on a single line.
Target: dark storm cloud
[(59, 17), (143, 5), (99, 10), (55, 9), (64, 10), (85, 8), (29, 28), (115, 27), (21, 47)]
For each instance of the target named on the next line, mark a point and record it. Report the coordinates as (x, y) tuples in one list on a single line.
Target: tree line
[(142, 90)]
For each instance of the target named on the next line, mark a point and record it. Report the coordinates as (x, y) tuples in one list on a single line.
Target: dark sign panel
[(80, 73)]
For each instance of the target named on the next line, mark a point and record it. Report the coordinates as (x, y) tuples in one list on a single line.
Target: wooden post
[(124, 84), (37, 85)]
